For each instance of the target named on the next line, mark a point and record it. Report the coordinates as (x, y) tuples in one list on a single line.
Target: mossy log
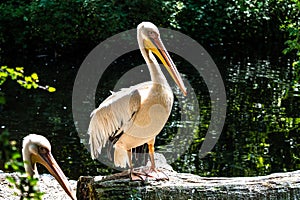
[(188, 186)]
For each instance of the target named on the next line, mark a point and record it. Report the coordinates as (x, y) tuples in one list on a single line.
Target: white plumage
[(134, 116), (37, 149)]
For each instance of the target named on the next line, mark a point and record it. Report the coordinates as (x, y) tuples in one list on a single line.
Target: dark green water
[(261, 132)]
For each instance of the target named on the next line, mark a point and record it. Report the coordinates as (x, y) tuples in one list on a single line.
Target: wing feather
[(112, 117)]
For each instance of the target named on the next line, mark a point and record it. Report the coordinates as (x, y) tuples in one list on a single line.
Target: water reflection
[(261, 134)]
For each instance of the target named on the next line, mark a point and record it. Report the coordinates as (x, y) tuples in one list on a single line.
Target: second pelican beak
[(49, 162), (156, 46)]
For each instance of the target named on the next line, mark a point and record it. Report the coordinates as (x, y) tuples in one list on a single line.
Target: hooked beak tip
[(184, 92)]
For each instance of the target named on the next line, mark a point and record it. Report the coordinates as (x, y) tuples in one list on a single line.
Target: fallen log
[(188, 186)]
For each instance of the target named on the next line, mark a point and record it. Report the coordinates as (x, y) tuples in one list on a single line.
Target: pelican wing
[(113, 117)]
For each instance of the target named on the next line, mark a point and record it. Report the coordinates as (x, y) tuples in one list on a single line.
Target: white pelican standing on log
[(37, 149), (135, 116)]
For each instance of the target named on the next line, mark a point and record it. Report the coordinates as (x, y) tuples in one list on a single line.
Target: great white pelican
[(134, 116), (37, 149)]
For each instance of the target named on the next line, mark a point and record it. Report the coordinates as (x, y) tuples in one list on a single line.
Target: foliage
[(17, 74), (291, 25), (215, 21), (261, 132), (27, 186), (53, 25), (63, 25), (59, 24), (9, 154)]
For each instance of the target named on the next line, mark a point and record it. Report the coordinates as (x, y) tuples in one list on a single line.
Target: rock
[(189, 186), (47, 184)]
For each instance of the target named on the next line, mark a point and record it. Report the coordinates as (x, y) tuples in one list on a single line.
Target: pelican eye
[(152, 34), (43, 149)]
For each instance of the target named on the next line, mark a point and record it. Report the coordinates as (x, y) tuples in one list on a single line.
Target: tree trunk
[(188, 186)]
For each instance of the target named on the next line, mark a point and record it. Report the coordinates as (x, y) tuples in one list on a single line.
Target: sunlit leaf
[(2, 80), (295, 63), (260, 162), (28, 79), (3, 74), (20, 82), (34, 85), (16, 156), (34, 76), (11, 179), (20, 69), (51, 89), (18, 74)]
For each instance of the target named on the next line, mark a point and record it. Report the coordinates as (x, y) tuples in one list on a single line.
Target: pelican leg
[(134, 175), (154, 172), (151, 155)]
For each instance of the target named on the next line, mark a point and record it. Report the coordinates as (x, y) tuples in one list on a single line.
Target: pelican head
[(37, 149), (149, 41)]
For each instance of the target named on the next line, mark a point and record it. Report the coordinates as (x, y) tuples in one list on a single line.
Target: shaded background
[(244, 38)]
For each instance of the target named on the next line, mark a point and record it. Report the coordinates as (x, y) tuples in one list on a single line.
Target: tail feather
[(120, 157), (96, 137)]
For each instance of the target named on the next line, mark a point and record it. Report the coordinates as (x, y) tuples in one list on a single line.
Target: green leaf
[(28, 86), (16, 156), (295, 63), (28, 79), (3, 74), (51, 89), (20, 82), (11, 179), (2, 99), (20, 69), (34, 85), (2, 80), (34, 76)]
